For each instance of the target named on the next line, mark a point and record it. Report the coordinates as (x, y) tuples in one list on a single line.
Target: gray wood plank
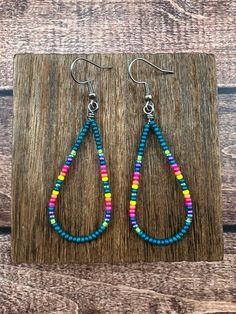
[(115, 26), (183, 287)]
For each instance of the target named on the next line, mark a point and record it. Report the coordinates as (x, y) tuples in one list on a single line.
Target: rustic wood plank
[(230, 243), (227, 125), (186, 107), (181, 287), (6, 113), (114, 26), (227, 118), (16, 298)]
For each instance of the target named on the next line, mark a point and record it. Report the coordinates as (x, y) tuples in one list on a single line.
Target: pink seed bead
[(108, 203), (104, 174), (132, 211), (103, 171), (174, 165), (136, 182), (137, 173), (52, 200), (108, 208), (177, 173), (103, 167), (52, 204), (132, 215), (53, 196), (188, 200), (66, 167), (136, 178), (132, 207), (188, 204)]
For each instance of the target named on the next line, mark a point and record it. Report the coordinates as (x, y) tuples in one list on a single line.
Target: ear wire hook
[(147, 88), (89, 82)]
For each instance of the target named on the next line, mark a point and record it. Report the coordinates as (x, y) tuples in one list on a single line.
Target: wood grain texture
[(181, 287), (71, 26), (49, 110)]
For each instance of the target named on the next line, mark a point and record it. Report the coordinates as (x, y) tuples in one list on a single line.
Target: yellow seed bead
[(179, 176), (132, 202), (73, 152), (139, 157), (105, 224), (61, 178), (53, 221), (107, 194), (186, 192), (105, 179), (135, 186), (167, 152), (55, 192), (99, 151), (137, 230)]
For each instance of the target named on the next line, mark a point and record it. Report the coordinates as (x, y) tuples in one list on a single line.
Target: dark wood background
[(112, 26)]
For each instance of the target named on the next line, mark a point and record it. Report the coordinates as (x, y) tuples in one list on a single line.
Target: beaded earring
[(90, 123), (152, 125)]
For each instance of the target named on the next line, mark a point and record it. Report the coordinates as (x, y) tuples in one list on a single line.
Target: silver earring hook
[(148, 108), (147, 88), (89, 82)]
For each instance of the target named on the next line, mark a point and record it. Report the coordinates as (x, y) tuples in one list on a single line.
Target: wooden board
[(49, 110)]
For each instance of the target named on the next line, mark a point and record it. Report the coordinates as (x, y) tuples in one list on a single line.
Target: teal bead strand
[(91, 123), (152, 125)]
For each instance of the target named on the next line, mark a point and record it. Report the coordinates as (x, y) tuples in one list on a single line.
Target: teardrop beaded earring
[(152, 125), (90, 123)]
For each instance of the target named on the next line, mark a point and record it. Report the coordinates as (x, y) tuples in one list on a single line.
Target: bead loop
[(148, 107), (135, 187), (91, 123), (93, 106)]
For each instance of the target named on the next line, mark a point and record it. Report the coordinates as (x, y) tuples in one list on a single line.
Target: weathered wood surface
[(49, 109), (182, 287), (118, 26)]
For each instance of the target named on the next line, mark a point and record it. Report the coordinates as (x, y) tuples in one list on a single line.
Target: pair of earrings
[(150, 125)]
